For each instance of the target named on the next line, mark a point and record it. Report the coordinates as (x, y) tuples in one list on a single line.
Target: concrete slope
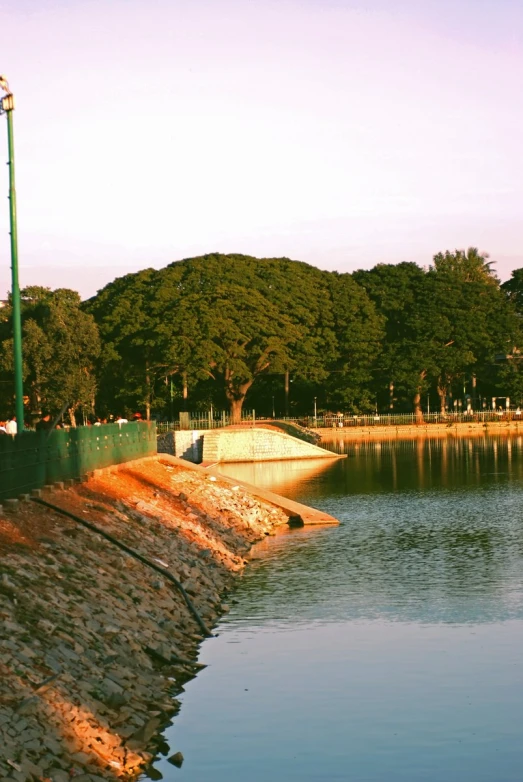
[(257, 445), (297, 513)]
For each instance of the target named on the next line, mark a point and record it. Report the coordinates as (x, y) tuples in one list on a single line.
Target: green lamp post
[(7, 105)]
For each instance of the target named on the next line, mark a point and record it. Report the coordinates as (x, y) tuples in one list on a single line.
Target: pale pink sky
[(341, 133)]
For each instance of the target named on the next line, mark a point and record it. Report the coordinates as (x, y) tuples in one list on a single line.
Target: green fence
[(33, 459)]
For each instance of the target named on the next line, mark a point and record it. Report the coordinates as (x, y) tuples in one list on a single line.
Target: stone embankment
[(239, 444), (94, 644), (413, 431)]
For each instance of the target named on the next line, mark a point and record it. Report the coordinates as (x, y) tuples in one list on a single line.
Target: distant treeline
[(230, 330)]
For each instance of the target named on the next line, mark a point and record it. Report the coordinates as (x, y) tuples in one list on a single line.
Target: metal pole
[(8, 107)]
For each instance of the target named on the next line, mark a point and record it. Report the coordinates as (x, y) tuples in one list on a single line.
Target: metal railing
[(205, 421), (214, 420), (406, 419), (31, 460)]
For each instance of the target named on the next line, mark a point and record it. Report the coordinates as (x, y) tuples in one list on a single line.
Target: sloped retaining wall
[(187, 445), (94, 645), (257, 445)]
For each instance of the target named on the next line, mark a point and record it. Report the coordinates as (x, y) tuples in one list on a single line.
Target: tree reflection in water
[(431, 532)]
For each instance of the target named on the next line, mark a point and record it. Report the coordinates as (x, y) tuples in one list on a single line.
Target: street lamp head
[(4, 84)]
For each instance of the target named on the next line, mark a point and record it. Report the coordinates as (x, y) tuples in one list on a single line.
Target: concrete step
[(211, 447)]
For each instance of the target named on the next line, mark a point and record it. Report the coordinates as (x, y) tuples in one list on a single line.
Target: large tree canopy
[(400, 295), (471, 321), (513, 289), (233, 319), (510, 371), (60, 348), (444, 327), (226, 328)]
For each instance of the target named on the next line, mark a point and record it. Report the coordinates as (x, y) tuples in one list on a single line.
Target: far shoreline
[(421, 430)]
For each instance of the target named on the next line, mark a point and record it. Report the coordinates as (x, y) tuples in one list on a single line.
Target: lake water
[(388, 649)]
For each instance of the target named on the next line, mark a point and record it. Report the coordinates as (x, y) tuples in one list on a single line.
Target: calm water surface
[(386, 649)]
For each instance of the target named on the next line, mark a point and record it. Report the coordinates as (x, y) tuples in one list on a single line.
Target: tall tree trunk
[(287, 393), (236, 397), (36, 398), (148, 393), (474, 392), (72, 417), (185, 392), (442, 393), (236, 410), (418, 412)]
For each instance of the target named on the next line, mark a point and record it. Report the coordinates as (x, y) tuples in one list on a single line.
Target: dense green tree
[(359, 332), (186, 319), (510, 370), (513, 289), (471, 320), (133, 338), (234, 319), (442, 326), (400, 295), (245, 336), (60, 347), (223, 324)]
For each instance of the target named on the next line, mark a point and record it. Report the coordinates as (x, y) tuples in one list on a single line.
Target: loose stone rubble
[(95, 645)]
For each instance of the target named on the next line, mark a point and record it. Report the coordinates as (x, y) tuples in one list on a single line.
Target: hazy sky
[(338, 132)]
